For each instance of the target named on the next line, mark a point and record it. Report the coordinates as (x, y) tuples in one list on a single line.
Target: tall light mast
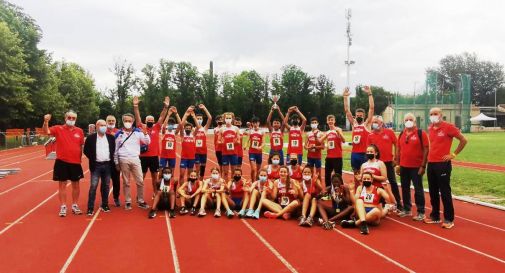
[(348, 62)]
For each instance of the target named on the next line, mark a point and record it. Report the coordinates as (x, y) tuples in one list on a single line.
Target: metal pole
[(348, 63), (495, 107)]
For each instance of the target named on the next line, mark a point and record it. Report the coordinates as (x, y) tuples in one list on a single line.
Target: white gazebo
[(481, 117)]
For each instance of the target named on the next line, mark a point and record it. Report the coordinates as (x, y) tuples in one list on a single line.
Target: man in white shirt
[(126, 158)]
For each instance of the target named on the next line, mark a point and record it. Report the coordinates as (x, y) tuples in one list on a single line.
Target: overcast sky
[(394, 40)]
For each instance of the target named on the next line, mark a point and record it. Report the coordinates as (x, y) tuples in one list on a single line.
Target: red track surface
[(121, 241)]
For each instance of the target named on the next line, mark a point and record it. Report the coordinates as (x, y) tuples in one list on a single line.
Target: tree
[(126, 83), (208, 93), (382, 99), (295, 87), (151, 93), (186, 80)]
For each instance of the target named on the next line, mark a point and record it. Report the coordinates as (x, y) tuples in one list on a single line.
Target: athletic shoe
[(128, 206), (286, 216), (217, 214), (117, 203), (202, 213), (302, 221), (152, 214), (143, 205), (309, 221), (171, 213), (105, 208), (328, 225), (347, 223), (429, 220), (269, 215), (76, 210), (193, 211), (363, 228), (256, 214), (241, 213), (448, 225), (183, 211), (230, 214), (249, 213), (90, 212), (404, 213), (419, 217)]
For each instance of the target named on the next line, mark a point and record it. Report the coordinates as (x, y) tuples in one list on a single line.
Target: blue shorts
[(219, 156), (239, 160), (368, 209), (238, 202), (280, 152), (200, 159), (300, 159), (258, 158), (187, 163), (229, 160), (167, 162), (311, 162), (357, 159)]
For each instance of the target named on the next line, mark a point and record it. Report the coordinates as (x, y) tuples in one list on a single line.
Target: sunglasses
[(71, 118)]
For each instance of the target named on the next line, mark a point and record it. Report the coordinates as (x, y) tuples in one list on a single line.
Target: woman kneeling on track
[(367, 206), (164, 198), (311, 186), (336, 203), (273, 169), (212, 190), (237, 194), (189, 193), (288, 194), (262, 188)]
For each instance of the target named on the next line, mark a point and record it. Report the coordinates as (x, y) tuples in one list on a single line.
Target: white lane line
[(270, 247), (32, 210), (450, 241), (7, 157), (378, 253), (473, 221), (17, 162), (81, 240), (172, 244), (27, 181)]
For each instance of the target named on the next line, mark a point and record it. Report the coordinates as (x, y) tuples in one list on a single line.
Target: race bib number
[(369, 197), (356, 139), (169, 145), (331, 144), (294, 143), (284, 201), (255, 144), (165, 188), (199, 143), (230, 146), (277, 141)]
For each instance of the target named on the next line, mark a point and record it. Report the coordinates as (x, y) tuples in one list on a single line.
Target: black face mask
[(219, 123), (359, 119), (370, 156), (295, 122), (293, 162), (367, 183), (150, 124), (237, 177), (187, 132), (192, 180)]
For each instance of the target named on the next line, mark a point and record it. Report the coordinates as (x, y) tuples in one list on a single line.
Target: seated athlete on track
[(260, 189), (212, 189), (189, 193), (164, 198), (367, 205), (336, 203), (237, 195), (288, 194), (273, 169), (312, 186)]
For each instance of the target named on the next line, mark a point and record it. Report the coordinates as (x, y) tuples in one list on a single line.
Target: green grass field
[(488, 147)]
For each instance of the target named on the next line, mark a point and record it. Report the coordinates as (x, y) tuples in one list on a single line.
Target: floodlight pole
[(495, 107), (348, 62)]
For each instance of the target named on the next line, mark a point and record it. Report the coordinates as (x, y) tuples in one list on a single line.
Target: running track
[(34, 238)]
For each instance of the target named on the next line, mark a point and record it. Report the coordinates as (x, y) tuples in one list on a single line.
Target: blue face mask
[(170, 127), (167, 176), (102, 129)]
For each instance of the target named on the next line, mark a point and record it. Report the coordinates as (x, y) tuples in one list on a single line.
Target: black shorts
[(149, 162), (219, 156), (64, 171)]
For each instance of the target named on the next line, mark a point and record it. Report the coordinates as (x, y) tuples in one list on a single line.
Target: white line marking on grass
[(172, 244), (378, 253), (451, 242), (19, 185), (269, 246)]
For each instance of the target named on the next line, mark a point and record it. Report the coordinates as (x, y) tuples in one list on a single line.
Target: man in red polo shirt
[(385, 140), (439, 166), (411, 159), (69, 141), (149, 160)]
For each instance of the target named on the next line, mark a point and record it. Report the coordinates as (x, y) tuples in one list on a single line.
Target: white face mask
[(111, 126), (215, 176), (313, 125), (127, 125), (70, 122), (375, 126), (409, 124), (167, 176), (263, 178), (307, 177), (228, 120), (434, 119), (200, 121), (275, 161)]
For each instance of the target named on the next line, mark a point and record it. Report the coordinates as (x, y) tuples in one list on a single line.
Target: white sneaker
[(76, 210), (63, 211)]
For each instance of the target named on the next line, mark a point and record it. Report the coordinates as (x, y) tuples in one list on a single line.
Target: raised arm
[(269, 119), (166, 104), (136, 111), (45, 125), (347, 109), (371, 105), (302, 117), (282, 118), (286, 118), (209, 117)]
